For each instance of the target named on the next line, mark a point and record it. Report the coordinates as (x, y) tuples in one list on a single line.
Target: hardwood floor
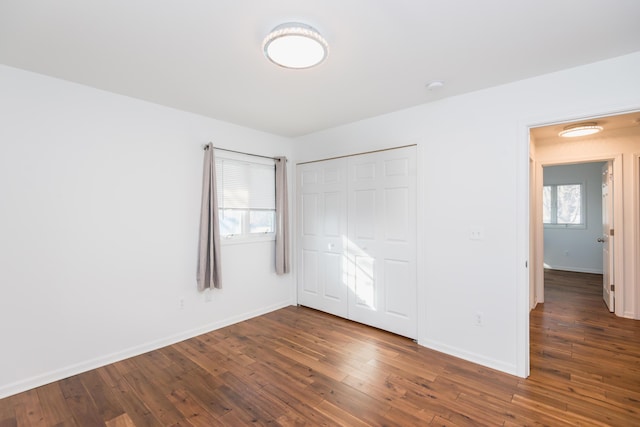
[(297, 366)]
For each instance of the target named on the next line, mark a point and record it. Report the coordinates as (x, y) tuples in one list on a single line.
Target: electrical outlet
[(181, 303), (478, 319)]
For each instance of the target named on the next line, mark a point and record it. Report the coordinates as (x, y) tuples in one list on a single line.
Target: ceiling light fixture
[(435, 85), (581, 129), (295, 45)]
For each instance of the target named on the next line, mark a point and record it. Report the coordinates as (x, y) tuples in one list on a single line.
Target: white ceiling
[(205, 56)]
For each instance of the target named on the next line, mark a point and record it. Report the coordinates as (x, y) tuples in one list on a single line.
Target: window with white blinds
[(246, 197)]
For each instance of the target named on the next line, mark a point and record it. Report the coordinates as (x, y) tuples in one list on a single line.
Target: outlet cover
[(478, 319)]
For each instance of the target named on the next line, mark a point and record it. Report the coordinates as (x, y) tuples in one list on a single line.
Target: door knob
[(601, 239)]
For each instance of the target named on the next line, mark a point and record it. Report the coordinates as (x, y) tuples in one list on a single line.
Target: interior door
[(322, 228), (607, 236), (381, 251)]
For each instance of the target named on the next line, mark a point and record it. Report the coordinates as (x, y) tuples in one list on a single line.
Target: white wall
[(473, 166), (577, 249), (99, 213)]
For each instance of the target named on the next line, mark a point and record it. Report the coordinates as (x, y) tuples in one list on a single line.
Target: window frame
[(554, 207)]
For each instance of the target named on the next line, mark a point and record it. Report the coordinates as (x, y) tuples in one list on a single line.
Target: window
[(563, 205), (246, 197)]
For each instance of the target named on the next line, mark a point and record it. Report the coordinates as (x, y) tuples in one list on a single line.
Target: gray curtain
[(282, 217), (209, 275)]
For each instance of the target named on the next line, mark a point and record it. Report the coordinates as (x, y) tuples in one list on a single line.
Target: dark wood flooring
[(297, 366)]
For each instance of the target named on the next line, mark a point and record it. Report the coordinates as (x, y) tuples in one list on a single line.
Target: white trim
[(470, 356), (523, 152), (247, 239), (421, 296), (634, 295), (618, 239), (59, 374), (565, 226), (539, 236)]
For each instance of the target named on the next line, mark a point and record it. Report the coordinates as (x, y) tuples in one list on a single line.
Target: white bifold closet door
[(381, 249), (322, 234), (357, 226)]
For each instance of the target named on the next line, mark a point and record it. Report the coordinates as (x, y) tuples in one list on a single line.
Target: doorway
[(576, 206), (617, 143)]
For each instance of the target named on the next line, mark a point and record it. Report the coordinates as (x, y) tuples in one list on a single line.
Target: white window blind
[(246, 197), (243, 185)]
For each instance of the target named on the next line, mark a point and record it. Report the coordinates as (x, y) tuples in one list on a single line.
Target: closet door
[(381, 251), (322, 231)]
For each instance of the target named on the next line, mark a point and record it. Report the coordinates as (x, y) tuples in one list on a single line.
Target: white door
[(381, 251), (607, 236), (322, 227)]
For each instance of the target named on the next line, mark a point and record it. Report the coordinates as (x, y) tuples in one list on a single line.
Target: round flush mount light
[(435, 85), (580, 129), (295, 45)]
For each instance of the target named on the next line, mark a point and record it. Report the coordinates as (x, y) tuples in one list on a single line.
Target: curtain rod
[(357, 154), (204, 147)]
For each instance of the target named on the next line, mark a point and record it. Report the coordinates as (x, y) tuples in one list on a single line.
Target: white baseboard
[(78, 368), (470, 356), (574, 269)]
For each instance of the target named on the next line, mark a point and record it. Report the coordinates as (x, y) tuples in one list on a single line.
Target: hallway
[(584, 359)]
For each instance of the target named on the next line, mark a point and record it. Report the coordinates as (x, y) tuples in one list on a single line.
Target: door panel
[(334, 287), (322, 225), (398, 273), (365, 171), (364, 291), (364, 214), (310, 215), (396, 205), (310, 272), (332, 216), (607, 237), (382, 241), (396, 167)]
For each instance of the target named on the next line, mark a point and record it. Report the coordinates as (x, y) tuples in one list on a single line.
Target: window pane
[(230, 221), (546, 204), (262, 221), (569, 204)]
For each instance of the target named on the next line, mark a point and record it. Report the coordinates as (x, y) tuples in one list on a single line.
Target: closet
[(356, 234)]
